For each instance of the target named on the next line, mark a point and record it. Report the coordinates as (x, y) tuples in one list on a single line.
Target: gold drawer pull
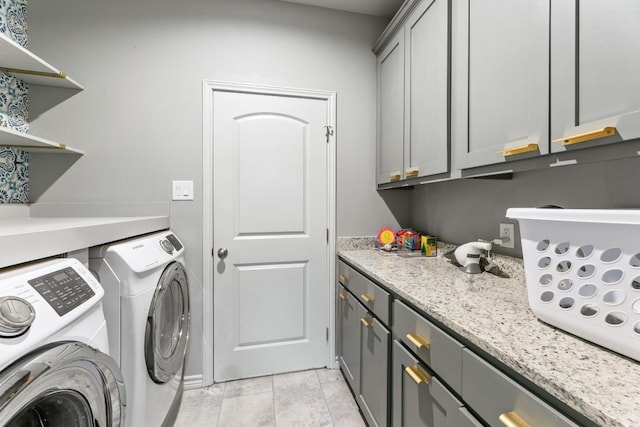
[(418, 341), (367, 298), (395, 177), (412, 173), (343, 278), (366, 321), (417, 375), (511, 419), (343, 295), (518, 150), (588, 136)]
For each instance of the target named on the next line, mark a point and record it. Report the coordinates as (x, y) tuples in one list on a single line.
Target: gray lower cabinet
[(363, 342), (419, 397), (348, 337), (430, 344), (373, 398), (425, 376), (501, 401)]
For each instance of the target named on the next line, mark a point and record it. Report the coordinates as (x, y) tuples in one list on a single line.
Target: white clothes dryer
[(147, 311), (55, 367)]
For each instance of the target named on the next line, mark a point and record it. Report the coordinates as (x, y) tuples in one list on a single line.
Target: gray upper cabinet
[(500, 80), (390, 111), (426, 149), (413, 94), (594, 72)]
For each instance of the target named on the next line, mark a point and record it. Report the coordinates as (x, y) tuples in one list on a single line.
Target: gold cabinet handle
[(343, 295), (588, 136), (511, 419), (343, 278), (395, 177), (518, 150), (418, 341), (412, 173), (417, 375), (367, 298), (366, 321)]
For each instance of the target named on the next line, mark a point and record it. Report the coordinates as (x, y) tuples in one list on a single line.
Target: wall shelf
[(30, 68), (32, 143)]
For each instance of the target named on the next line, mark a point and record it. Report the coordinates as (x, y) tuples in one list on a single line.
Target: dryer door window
[(167, 331), (62, 384)]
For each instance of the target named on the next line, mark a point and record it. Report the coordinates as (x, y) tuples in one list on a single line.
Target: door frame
[(208, 88)]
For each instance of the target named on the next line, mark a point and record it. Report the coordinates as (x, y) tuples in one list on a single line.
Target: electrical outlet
[(507, 234)]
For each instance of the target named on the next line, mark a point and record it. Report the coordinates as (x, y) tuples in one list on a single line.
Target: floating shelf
[(26, 66), (27, 142)]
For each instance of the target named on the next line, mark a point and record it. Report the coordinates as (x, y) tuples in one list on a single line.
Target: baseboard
[(193, 381)]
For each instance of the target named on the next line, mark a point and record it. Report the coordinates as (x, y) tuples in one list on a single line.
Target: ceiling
[(384, 8)]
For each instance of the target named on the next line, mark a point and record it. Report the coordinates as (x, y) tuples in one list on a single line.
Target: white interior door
[(270, 234)]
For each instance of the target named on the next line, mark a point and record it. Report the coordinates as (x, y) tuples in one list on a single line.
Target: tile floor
[(318, 397)]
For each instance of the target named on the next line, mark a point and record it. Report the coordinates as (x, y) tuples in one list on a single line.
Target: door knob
[(222, 253)]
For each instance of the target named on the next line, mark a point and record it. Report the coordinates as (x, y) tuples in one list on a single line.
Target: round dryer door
[(62, 384), (167, 332)]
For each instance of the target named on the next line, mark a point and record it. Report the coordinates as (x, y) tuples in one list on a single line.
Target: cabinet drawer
[(420, 399), (492, 395), (433, 346), (372, 296)]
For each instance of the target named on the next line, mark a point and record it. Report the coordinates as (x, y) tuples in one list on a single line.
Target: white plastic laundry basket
[(583, 272)]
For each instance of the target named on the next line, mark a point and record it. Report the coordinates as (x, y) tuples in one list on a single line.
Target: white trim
[(208, 87), (193, 381)]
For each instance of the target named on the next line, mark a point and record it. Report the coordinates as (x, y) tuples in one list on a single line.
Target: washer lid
[(167, 331)]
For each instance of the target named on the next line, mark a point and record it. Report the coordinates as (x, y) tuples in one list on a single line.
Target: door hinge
[(327, 235), (329, 132), (327, 330), (212, 253)]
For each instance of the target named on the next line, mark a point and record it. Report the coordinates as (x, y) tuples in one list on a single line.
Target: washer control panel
[(63, 289), (56, 299)]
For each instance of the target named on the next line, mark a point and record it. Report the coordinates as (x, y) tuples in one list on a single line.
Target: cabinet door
[(374, 370), (594, 70), (390, 114), (420, 399), (427, 93), (500, 81), (348, 336)]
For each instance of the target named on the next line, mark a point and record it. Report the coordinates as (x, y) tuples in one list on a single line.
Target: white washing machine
[(55, 367), (147, 310)]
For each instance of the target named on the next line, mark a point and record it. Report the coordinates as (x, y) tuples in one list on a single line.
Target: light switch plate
[(182, 190)]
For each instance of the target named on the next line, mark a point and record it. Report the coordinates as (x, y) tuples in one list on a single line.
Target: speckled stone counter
[(493, 314)]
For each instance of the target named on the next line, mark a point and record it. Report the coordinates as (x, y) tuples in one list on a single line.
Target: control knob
[(167, 246), (16, 315)]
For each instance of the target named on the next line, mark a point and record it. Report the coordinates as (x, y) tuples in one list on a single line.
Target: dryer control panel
[(144, 253)]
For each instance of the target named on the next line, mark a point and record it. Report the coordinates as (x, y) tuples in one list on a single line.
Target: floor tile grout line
[(224, 389), (324, 396), (273, 397)]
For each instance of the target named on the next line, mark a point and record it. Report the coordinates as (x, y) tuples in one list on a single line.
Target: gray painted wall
[(139, 119), (469, 209)]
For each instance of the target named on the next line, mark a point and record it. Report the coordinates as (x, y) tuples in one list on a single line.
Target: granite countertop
[(493, 314)]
